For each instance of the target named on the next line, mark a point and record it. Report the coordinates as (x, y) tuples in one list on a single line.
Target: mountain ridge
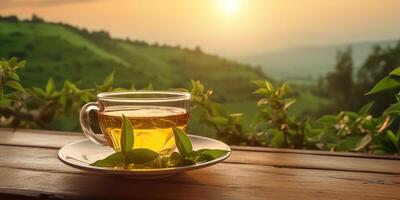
[(312, 61)]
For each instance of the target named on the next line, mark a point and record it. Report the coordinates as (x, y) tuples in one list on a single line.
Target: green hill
[(65, 52)]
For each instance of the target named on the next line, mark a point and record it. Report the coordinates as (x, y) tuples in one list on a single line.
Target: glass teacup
[(152, 113)]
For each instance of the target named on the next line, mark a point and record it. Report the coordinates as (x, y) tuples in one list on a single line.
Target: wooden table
[(29, 168)]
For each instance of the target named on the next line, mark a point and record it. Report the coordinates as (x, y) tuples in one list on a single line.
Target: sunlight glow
[(229, 6)]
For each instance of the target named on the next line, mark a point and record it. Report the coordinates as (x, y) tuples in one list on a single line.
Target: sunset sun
[(230, 6)]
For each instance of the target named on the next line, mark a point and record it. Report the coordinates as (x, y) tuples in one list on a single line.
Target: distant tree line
[(347, 87), (97, 34)]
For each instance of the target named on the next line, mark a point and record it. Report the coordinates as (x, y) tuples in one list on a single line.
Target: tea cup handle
[(85, 123)]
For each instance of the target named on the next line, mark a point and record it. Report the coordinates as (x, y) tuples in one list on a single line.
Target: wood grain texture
[(223, 181), (34, 171), (258, 156)]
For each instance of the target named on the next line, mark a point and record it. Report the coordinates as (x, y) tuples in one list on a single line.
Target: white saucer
[(81, 153)]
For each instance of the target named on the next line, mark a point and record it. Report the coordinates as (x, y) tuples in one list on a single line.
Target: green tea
[(152, 126)]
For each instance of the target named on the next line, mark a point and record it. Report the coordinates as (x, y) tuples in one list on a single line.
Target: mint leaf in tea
[(152, 126), (145, 158)]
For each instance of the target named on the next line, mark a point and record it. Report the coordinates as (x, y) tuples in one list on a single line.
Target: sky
[(225, 27)]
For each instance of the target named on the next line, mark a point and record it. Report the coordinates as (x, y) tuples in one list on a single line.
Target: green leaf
[(13, 62), (365, 141), (140, 156), (14, 76), (39, 91), (259, 83), (127, 137), (288, 103), (395, 72), (328, 120), (278, 140), (213, 153), (263, 102), (187, 162), (236, 118), (71, 86), (182, 142), (114, 160), (22, 64), (392, 138), (108, 81), (15, 85), (262, 91), (394, 109), (387, 83), (264, 84), (349, 143), (175, 159), (50, 86), (219, 120), (4, 102), (366, 108)]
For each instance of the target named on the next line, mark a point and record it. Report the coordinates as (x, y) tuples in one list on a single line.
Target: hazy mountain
[(309, 62)]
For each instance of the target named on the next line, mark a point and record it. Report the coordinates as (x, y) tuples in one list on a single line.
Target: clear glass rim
[(121, 96)]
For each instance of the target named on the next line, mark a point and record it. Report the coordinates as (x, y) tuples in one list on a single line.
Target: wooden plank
[(21, 135), (223, 181), (309, 161), (315, 152), (36, 171), (43, 158), (38, 138), (278, 159)]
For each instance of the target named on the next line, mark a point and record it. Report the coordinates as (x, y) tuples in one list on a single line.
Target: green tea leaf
[(140, 156), (22, 64), (4, 102), (214, 153), (14, 76), (15, 85), (364, 142), (366, 108), (394, 109), (219, 120), (392, 138), (395, 72), (127, 138), (108, 81), (278, 140), (387, 83), (262, 91), (187, 162), (39, 91), (13, 61), (113, 160), (50, 86), (182, 142), (288, 103)]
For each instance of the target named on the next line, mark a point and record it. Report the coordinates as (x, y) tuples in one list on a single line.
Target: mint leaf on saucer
[(182, 142), (212, 153), (127, 139), (113, 160), (140, 156)]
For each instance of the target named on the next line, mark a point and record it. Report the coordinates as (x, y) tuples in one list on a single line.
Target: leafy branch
[(273, 125)]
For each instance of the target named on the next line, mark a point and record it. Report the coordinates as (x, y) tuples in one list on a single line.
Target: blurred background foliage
[(272, 126), (330, 113)]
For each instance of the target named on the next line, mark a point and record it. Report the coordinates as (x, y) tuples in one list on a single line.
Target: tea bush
[(272, 126)]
